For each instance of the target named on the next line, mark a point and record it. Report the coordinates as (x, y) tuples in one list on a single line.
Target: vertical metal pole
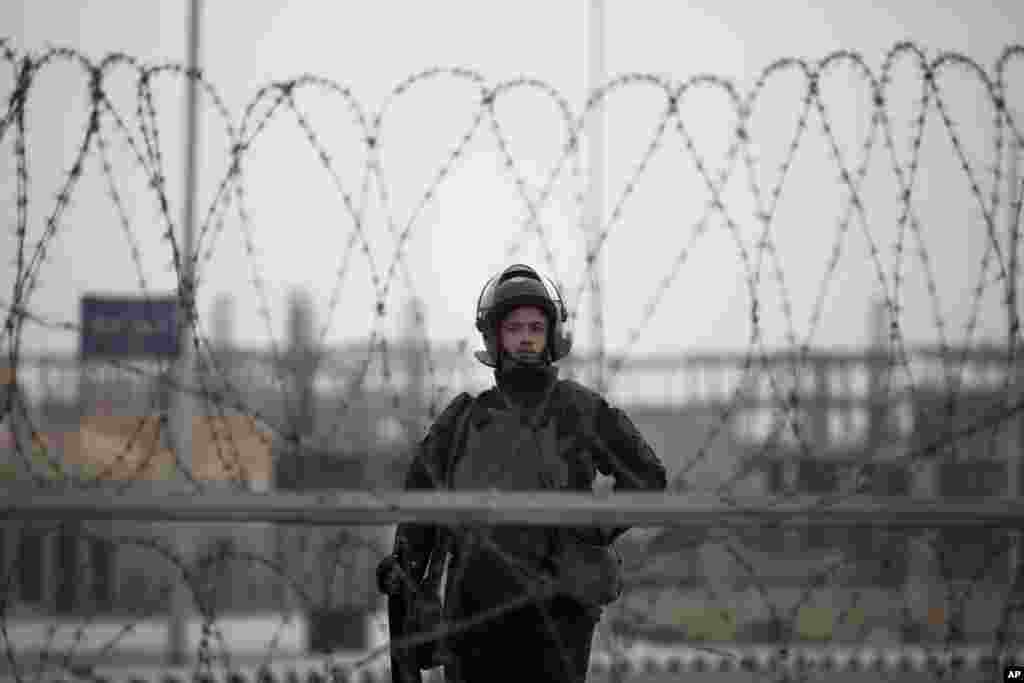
[(1015, 434), (183, 405), (597, 178), (1013, 319)]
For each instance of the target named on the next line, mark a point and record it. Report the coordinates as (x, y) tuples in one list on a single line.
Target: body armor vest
[(512, 449)]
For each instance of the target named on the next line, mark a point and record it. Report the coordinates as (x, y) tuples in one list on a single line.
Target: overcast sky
[(300, 225)]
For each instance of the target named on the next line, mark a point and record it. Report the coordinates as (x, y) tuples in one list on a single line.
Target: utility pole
[(183, 408), (597, 179)]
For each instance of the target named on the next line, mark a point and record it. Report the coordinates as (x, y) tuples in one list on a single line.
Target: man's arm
[(620, 451)]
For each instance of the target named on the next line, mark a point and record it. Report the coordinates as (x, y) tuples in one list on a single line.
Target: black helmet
[(521, 285)]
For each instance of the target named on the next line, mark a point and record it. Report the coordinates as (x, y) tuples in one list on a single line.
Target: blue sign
[(129, 327)]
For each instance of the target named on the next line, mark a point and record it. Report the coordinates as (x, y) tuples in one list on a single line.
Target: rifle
[(404, 668), (416, 609), (417, 606)]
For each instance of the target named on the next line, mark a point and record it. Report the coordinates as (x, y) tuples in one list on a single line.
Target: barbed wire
[(790, 435)]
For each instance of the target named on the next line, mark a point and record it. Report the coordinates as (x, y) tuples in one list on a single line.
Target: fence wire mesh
[(784, 416)]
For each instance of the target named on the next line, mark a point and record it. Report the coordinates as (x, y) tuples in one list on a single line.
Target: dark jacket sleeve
[(414, 540), (622, 452)]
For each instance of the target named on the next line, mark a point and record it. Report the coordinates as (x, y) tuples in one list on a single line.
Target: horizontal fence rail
[(561, 509)]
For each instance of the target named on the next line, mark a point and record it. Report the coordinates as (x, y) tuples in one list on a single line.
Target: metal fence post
[(1015, 428), (183, 404), (596, 168)]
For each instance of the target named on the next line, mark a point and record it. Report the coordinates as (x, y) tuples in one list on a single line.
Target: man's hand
[(391, 577)]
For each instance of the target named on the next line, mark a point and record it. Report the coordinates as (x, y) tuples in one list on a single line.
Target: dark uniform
[(547, 639)]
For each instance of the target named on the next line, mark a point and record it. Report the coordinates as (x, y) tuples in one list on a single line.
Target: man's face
[(524, 330)]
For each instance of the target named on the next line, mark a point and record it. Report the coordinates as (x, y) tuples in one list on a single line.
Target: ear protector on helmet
[(521, 285)]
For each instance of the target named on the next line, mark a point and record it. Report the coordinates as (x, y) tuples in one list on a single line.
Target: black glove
[(391, 577)]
